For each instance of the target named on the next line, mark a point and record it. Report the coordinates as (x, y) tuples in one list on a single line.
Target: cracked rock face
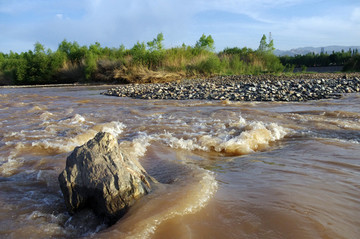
[(100, 177)]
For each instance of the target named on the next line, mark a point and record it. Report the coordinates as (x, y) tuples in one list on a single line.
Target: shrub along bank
[(144, 62)]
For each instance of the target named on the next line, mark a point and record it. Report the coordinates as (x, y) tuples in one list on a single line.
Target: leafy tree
[(57, 61), (155, 55), (270, 62), (322, 59), (266, 47), (138, 53), (65, 47), (14, 67), (95, 49), (119, 54), (38, 65), (39, 48), (74, 52), (205, 43), (263, 44), (353, 64), (157, 43)]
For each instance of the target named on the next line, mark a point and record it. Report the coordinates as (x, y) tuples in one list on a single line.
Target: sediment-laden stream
[(226, 169)]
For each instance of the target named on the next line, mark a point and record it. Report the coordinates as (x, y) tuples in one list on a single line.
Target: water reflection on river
[(227, 170)]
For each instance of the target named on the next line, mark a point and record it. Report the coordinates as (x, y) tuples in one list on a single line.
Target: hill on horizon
[(316, 50)]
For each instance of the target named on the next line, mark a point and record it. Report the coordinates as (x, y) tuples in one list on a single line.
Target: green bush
[(90, 65), (353, 64), (138, 53), (303, 68), (236, 65), (57, 61), (71, 62), (14, 67), (209, 66), (289, 68)]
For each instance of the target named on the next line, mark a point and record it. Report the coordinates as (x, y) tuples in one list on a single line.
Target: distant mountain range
[(306, 50)]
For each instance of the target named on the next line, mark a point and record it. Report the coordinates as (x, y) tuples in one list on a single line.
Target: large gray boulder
[(99, 176)]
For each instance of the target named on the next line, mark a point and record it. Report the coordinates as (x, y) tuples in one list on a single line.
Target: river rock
[(245, 88), (99, 176)]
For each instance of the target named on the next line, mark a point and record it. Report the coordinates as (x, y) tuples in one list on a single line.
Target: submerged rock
[(99, 176)]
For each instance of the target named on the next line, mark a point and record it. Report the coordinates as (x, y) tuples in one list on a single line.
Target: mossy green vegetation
[(151, 61)]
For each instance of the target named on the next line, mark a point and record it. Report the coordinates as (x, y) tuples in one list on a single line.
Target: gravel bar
[(236, 88)]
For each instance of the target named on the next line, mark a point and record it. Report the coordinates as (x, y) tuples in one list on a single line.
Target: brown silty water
[(226, 169)]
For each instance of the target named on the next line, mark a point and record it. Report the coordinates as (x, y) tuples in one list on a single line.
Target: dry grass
[(139, 74), (70, 73)]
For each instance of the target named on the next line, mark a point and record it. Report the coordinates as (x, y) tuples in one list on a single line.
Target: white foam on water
[(36, 108), (65, 144), (76, 119), (56, 136), (10, 165), (46, 115), (20, 134), (114, 127), (354, 141), (180, 143), (256, 136), (137, 147), (10, 161), (236, 138)]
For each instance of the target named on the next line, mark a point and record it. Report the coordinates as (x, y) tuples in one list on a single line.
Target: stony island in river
[(242, 88)]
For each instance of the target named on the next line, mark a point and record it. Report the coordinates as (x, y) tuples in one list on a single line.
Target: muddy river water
[(226, 169)]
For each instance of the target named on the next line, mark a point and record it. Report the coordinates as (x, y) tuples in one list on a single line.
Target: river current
[(226, 169)]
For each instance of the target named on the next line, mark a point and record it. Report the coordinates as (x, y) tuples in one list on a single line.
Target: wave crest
[(238, 138)]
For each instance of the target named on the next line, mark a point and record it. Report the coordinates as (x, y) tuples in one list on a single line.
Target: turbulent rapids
[(225, 169)]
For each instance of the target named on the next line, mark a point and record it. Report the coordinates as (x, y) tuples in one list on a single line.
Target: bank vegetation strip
[(151, 62)]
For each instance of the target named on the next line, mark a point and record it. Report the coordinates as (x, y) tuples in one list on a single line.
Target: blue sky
[(241, 23)]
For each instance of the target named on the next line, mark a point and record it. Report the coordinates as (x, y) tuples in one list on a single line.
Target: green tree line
[(349, 59), (74, 63)]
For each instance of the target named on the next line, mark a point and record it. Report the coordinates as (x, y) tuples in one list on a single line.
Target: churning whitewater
[(225, 169)]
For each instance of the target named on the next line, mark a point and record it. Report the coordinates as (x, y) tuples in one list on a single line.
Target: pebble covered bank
[(238, 88)]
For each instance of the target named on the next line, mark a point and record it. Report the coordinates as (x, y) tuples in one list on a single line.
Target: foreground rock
[(240, 88), (100, 177)]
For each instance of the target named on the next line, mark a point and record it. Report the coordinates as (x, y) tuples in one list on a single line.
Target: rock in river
[(99, 176)]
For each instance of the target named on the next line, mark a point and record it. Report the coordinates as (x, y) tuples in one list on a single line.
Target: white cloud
[(113, 22), (59, 16), (317, 31), (355, 15)]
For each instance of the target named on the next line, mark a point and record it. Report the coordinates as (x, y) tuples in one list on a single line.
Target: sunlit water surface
[(225, 169)]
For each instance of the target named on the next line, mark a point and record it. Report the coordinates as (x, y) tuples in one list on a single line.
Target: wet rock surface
[(100, 177), (242, 88)]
